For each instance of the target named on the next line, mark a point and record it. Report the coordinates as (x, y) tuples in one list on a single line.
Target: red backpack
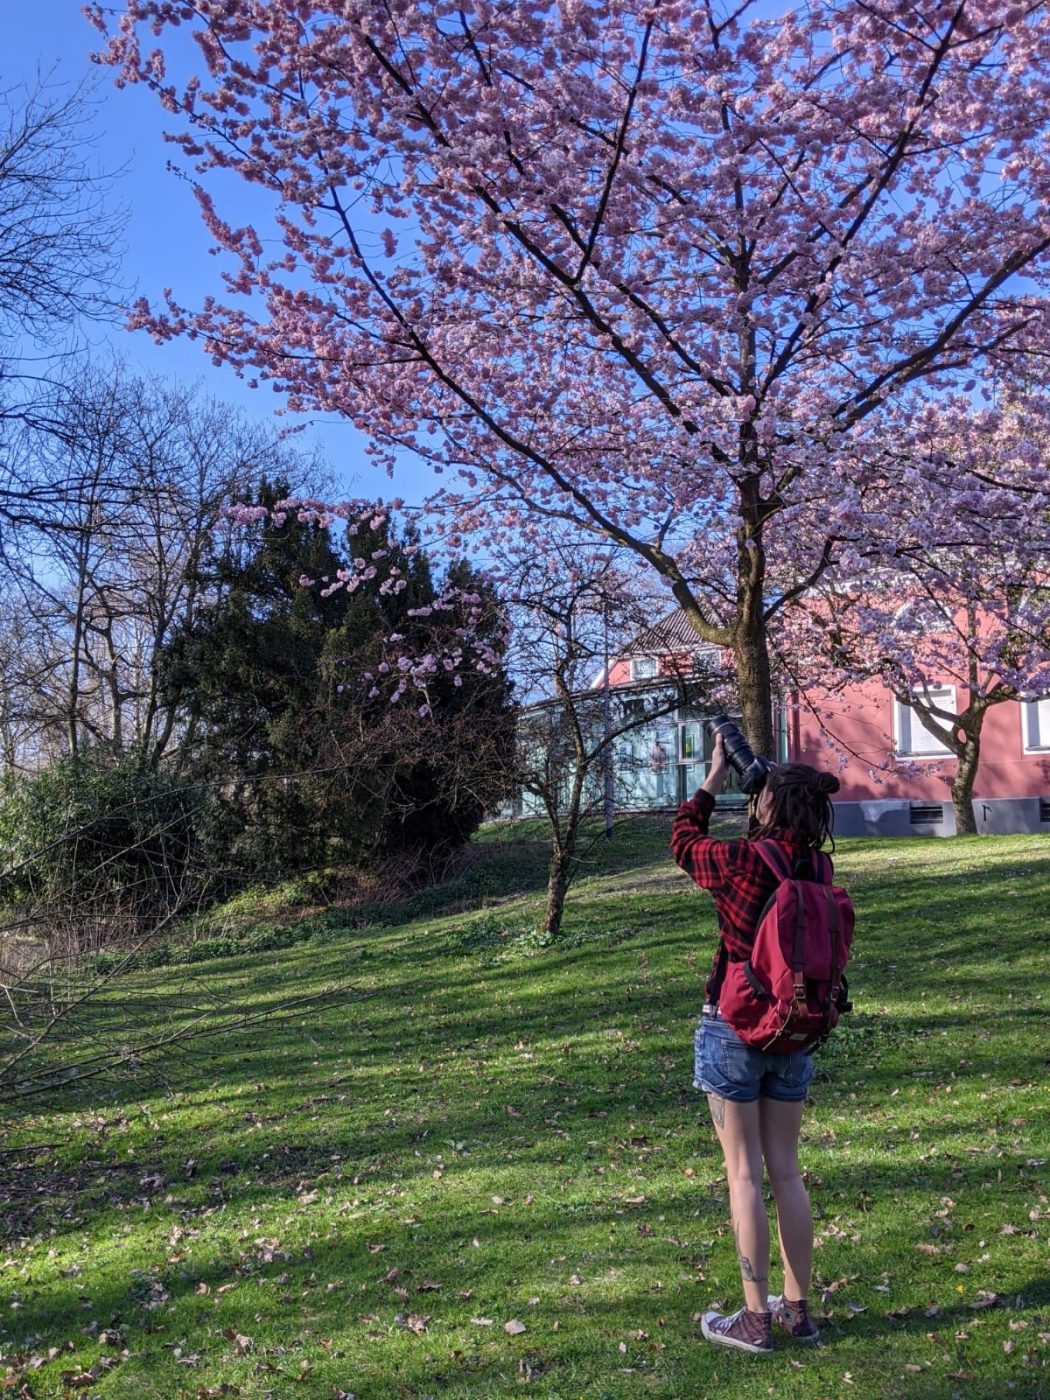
[(788, 995)]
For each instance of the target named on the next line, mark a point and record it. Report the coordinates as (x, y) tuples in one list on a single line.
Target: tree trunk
[(756, 694), (962, 786), (557, 888), (750, 642)]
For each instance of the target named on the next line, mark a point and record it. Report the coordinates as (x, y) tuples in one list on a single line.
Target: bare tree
[(127, 483), (574, 613), (58, 233), (59, 251)]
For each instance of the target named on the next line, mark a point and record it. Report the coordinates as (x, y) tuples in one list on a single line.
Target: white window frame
[(908, 728), (1035, 725), (638, 662)]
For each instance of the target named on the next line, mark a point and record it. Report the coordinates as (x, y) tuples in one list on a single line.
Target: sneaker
[(749, 1331), (794, 1318)]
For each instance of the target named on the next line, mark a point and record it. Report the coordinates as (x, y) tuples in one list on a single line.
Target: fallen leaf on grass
[(413, 1322), (241, 1345), (481, 1321), (514, 1328), (532, 1370), (986, 1299), (79, 1380), (205, 1392)]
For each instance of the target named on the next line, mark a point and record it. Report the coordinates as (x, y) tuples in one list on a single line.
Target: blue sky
[(165, 243)]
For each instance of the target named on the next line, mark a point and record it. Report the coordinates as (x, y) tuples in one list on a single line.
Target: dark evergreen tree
[(306, 766)]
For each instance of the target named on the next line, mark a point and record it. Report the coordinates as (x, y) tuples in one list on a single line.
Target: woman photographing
[(756, 1097)]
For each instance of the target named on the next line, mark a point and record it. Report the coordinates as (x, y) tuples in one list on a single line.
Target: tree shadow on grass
[(178, 1299)]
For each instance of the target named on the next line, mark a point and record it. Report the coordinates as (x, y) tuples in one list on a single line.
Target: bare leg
[(780, 1126), (739, 1131)]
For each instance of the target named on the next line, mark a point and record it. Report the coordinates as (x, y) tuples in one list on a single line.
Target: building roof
[(672, 633), (670, 636)]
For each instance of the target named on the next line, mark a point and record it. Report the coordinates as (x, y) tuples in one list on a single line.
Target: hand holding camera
[(731, 750), (717, 769)]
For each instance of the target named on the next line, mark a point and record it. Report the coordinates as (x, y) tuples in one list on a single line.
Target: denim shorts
[(725, 1066)]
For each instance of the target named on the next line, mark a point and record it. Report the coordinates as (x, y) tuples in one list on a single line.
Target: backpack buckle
[(800, 987)]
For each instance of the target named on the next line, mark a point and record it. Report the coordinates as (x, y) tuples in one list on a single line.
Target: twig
[(54, 1078)]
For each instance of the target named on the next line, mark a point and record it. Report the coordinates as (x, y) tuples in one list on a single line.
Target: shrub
[(102, 838)]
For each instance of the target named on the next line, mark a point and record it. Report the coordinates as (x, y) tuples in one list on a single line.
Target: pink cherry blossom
[(672, 275)]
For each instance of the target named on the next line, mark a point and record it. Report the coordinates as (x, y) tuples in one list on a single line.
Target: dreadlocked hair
[(801, 801)]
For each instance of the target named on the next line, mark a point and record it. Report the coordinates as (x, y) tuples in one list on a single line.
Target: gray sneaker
[(746, 1330), (794, 1318)]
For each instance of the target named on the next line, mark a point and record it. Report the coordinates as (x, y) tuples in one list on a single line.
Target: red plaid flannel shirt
[(733, 871)]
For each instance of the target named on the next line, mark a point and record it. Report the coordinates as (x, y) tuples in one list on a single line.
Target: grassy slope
[(357, 1200)]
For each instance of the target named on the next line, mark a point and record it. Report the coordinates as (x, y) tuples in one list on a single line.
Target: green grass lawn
[(481, 1169)]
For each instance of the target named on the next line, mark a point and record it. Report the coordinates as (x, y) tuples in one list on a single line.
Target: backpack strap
[(773, 856)]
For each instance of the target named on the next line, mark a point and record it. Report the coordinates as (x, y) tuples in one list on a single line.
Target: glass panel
[(661, 759), (690, 740), (689, 776), (914, 737), (1037, 716)]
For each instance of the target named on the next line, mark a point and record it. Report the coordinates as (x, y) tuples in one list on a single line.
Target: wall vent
[(922, 814), (1044, 809)]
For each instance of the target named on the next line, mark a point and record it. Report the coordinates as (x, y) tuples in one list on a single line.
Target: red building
[(895, 775)]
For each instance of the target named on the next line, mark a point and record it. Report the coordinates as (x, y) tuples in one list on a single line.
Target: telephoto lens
[(751, 771)]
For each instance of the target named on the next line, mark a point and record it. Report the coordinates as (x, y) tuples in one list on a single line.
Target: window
[(690, 742), (911, 736), (643, 668), (1035, 721)]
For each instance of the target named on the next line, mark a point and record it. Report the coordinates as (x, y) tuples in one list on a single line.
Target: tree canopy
[(671, 273)]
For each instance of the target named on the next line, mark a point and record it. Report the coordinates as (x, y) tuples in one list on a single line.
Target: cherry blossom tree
[(970, 615), (658, 270)]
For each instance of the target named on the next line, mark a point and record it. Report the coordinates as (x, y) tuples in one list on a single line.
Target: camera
[(751, 771)]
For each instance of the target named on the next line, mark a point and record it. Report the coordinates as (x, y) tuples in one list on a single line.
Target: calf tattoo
[(747, 1269), (718, 1110)]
